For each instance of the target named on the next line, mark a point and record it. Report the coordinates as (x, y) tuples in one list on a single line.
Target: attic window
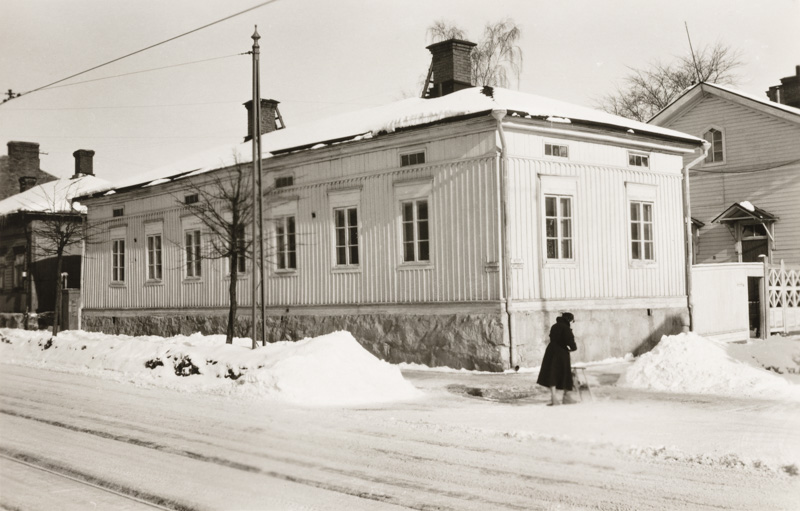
[(284, 181), (191, 199), (117, 212), (715, 154), (412, 159), (638, 160), (561, 151)]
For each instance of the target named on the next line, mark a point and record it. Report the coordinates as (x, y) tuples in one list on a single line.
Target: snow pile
[(54, 196), (332, 369), (689, 363)]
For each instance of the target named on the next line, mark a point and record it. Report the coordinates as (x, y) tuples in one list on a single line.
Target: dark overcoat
[(556, 368)]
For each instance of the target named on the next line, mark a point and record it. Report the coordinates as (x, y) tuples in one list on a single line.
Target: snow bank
[(333, 369), (689, 363)]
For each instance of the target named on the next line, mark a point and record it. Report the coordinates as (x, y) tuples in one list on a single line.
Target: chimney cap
[(451, 41), (83, 152)]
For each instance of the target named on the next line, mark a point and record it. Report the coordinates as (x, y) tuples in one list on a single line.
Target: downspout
[(687, 213), (505, 265)]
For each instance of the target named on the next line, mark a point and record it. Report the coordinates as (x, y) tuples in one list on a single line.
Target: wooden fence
[(783, 303)]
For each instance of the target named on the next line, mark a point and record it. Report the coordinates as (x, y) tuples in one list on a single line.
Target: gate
[(783, 303)]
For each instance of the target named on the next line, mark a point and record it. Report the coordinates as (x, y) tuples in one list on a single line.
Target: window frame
[(552, 144), (639, 154), (347, 228), (416, 151), (561, 186), (118, 260), (641, 223), (157, 267), (416, 241), (192, 253), (715, 162), (559, 220), (285, 175), (285, 238)]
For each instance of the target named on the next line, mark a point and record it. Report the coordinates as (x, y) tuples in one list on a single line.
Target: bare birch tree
[(225, 207), (496, 59), (646, 91)]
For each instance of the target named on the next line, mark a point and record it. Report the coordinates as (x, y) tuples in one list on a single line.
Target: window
[(561, 151), (116, 212), (19, 270), (416, 240), (118, 260), (415, 158), (286, 244), (346, 226), (154, 263), (715, 154), (642, 231), (558, 226), (284, 181), (192, 246), (191, 199), (638, 160)]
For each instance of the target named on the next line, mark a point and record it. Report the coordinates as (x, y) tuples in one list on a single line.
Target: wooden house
[(449, 230), (746, 193)]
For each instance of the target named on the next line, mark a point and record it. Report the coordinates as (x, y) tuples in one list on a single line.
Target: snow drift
[(332, 369), (689, 363)]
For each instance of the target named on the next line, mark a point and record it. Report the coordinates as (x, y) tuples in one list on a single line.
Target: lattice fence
[(784, 298)]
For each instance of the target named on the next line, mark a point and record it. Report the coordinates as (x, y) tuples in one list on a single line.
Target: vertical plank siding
[(601, 268), (761, 165), (462, 169)]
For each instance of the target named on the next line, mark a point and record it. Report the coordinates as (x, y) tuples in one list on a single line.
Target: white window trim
[(411, 150), (274, 238), (547, 142), (565, 186), (640, 192), (153, 229), (711, 149), (346, 199), (648, 155), (119, 234), (407, 191)]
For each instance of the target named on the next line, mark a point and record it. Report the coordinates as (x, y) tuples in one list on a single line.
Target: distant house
[(27, 276), (745, 197), (747, 191), (449, 230)]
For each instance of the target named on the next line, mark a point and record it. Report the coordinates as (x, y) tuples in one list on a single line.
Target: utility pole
[(255, 138)]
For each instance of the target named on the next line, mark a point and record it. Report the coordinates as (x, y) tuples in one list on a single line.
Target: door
[(754, 305)]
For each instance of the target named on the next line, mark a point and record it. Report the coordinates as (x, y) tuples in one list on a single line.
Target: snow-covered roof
[(725, 91), (407, 113), (54, 196)]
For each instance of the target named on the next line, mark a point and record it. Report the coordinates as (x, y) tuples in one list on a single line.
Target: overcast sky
[(322, 57)]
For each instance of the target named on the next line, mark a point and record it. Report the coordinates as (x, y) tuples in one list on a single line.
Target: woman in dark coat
[(556, 371)]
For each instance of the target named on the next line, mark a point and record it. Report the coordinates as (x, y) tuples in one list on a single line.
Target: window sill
[(239, 276), (557, 263), (346, 269), (154, 283), (642, 265), (117, 284), (192, 280), (284, 273), (414, 266)]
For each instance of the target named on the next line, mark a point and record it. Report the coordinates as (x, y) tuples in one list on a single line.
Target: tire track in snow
[(389, 499)]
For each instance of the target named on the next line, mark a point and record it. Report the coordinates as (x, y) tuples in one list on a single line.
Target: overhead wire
[(262, 4)]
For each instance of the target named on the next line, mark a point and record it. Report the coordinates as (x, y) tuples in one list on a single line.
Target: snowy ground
[(709, 416)]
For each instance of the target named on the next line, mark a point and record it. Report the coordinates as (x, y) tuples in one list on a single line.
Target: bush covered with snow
[(690, 363)]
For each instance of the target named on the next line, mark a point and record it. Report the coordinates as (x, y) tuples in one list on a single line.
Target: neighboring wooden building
[(444, 231), (746, 194), (28, 275), (746, 191)]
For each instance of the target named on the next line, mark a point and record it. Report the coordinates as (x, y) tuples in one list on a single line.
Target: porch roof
[(744, 212)]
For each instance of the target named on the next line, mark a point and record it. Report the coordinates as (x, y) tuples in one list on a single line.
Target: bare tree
[(224, 206), (647, 91), (496, 56), (60, 227)]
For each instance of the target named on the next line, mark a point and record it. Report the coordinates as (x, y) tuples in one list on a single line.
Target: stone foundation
[(469, 341), (600, 334)]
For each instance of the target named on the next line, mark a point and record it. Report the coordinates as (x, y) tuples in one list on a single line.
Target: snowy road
[(74, 442)]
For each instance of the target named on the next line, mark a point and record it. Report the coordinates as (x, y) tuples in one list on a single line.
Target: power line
[(12, 95), (147, 70), (749, 170)]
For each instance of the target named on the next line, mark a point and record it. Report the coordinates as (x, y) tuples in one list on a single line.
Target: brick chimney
[(83, 163), (788, 92), (26, 183), (23, 158), (451, 65), (269, 117)]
